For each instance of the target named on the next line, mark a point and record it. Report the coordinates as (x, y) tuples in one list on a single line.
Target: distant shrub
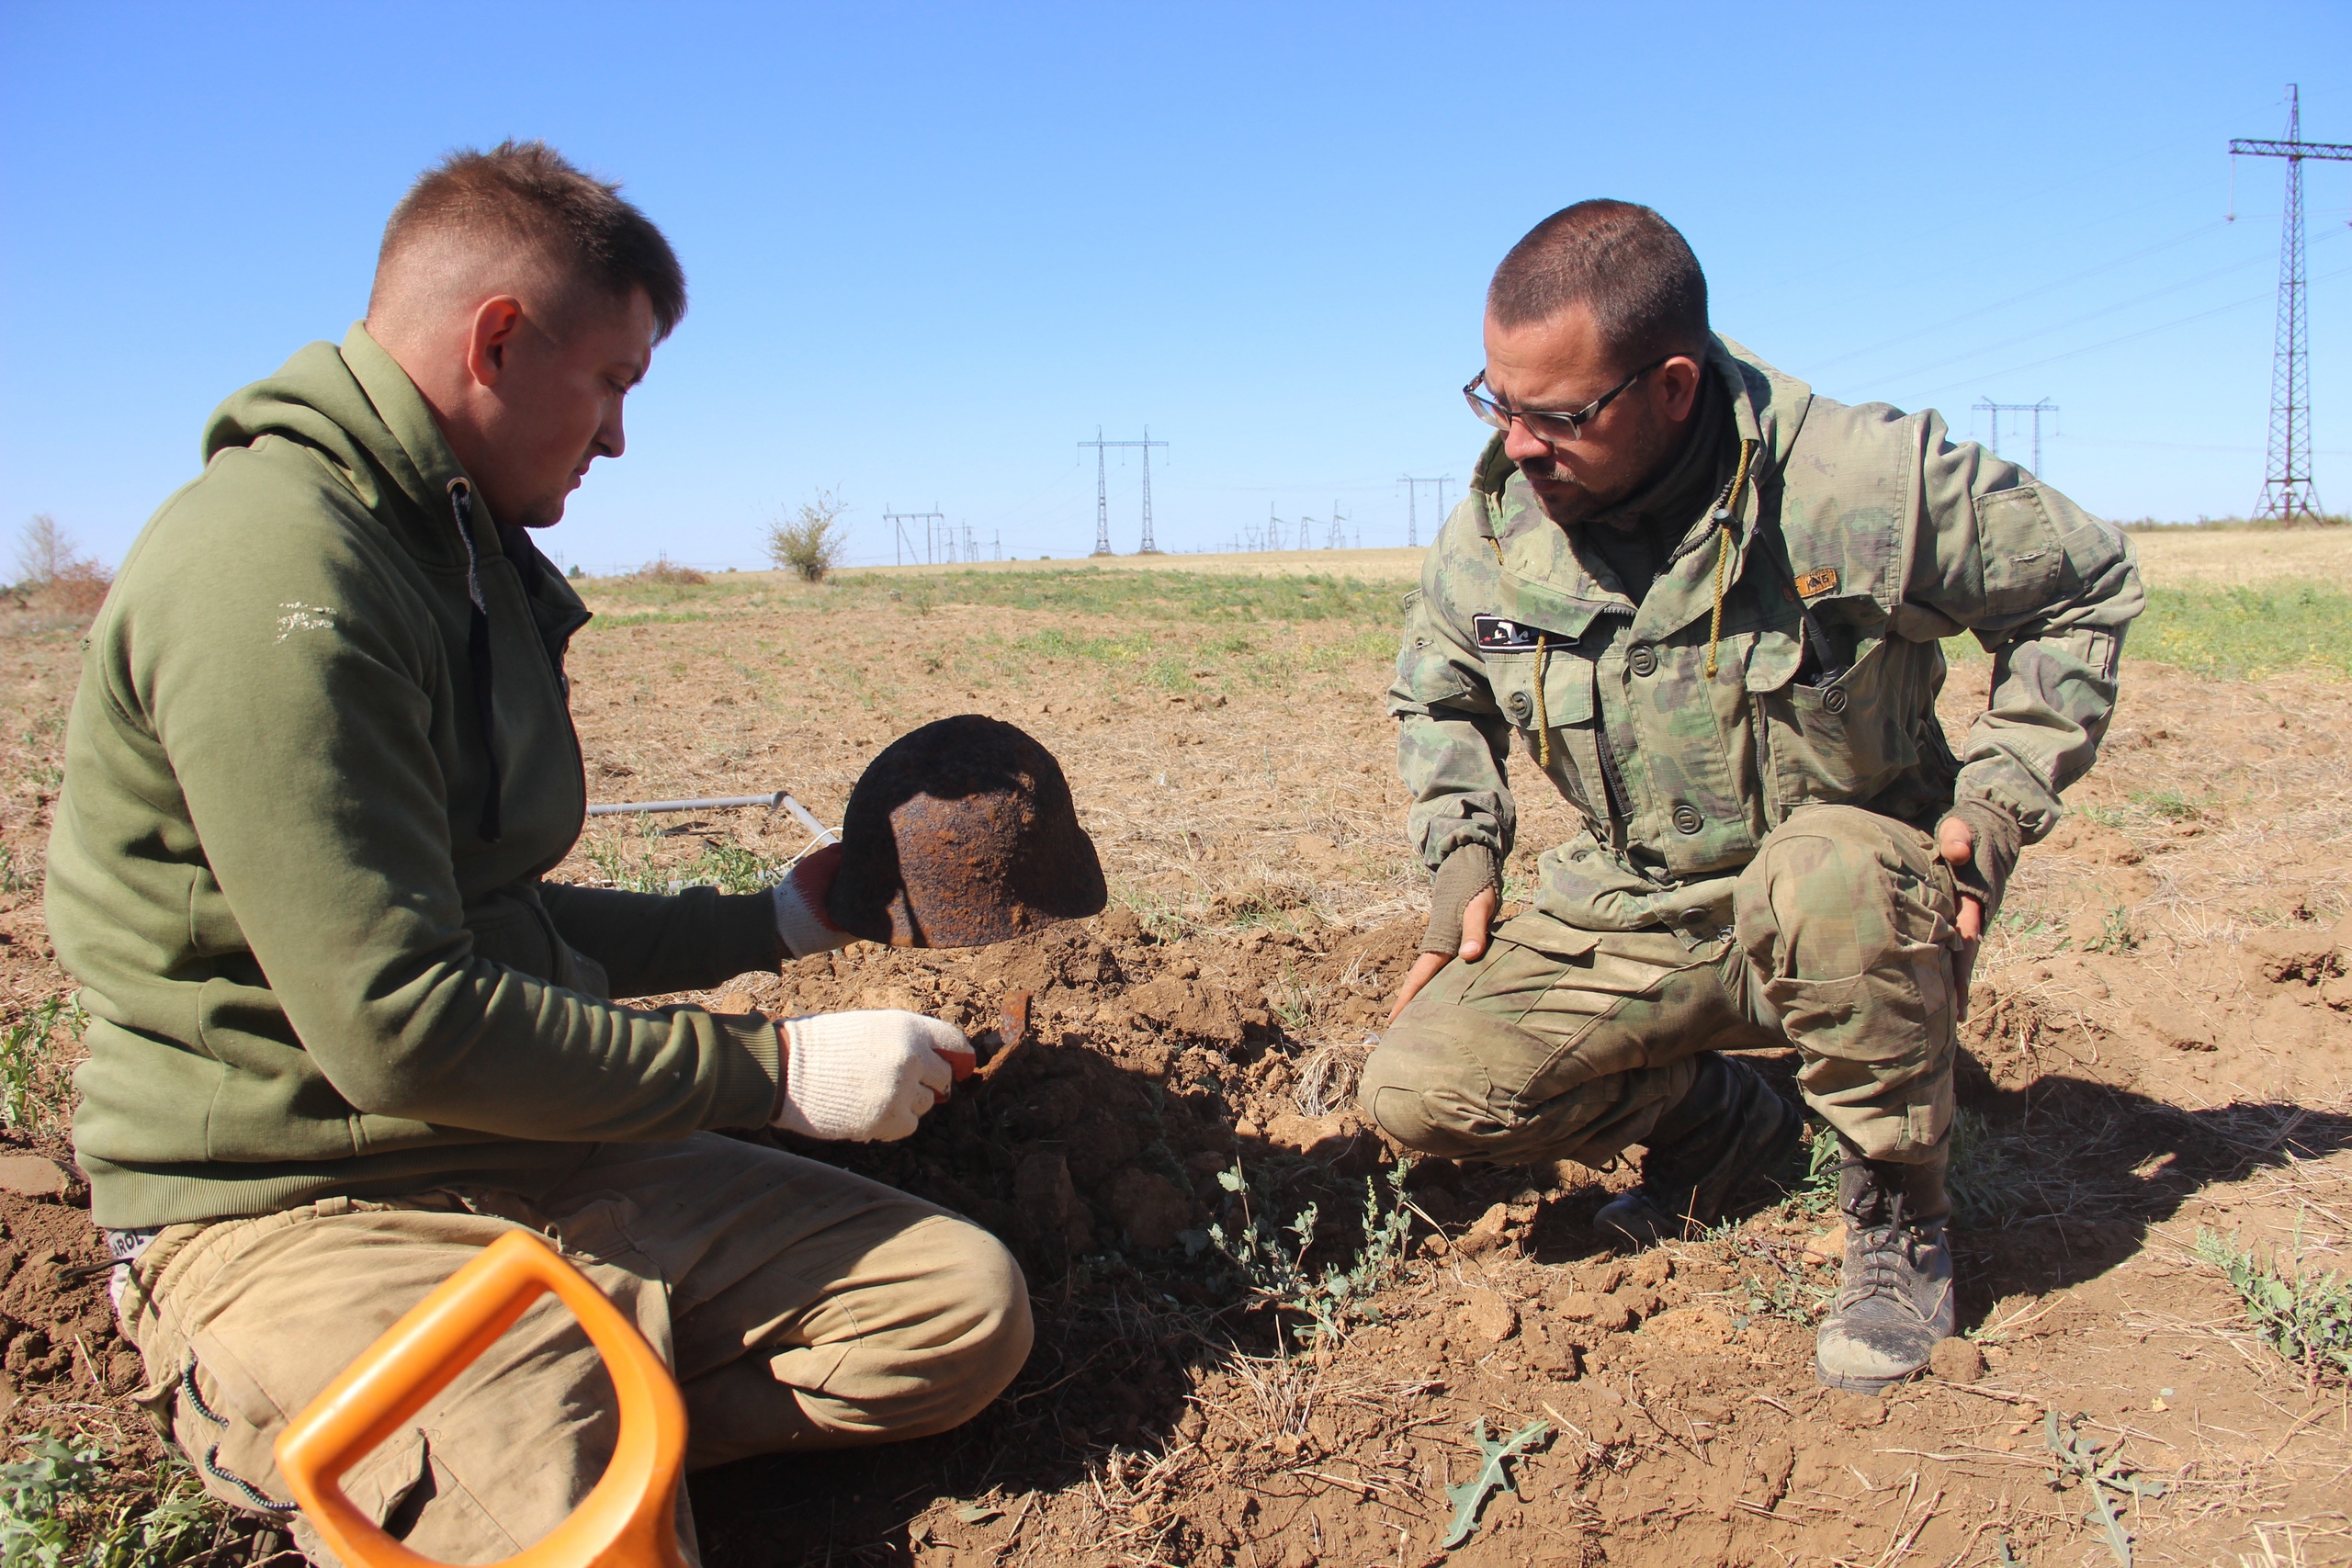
[(662, 569), (52, 574), (810, 545)]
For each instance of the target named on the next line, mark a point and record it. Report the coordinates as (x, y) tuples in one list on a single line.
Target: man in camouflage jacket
[(1708, 604)]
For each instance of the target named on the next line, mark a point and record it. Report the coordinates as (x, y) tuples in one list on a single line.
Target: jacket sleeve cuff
[(2009, 785), (750, 1066)]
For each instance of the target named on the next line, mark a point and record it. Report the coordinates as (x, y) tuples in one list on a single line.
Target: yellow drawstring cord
[(1543, 712), (1722, 550)]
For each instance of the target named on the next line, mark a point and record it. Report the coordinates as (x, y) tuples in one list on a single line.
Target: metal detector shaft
[(781, 798)]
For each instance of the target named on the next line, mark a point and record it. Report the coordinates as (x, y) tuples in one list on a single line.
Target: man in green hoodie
[(345, 1035)]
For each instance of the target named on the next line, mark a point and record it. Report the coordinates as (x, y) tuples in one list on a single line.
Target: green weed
[(1269, 1260), (2114, 933), (14, 878), (630, 861), (2306, 1318), (33, 1092), (2166, 804), (63, 1508), (1817, 1193)]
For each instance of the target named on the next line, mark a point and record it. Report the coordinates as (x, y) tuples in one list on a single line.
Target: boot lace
[(1888, 1242)]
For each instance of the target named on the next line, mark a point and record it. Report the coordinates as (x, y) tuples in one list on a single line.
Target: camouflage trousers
[(1565, 1044)]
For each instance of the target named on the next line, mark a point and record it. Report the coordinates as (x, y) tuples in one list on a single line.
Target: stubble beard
[(1567, 501)]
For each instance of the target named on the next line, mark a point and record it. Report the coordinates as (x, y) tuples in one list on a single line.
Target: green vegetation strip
[(2241, 633)]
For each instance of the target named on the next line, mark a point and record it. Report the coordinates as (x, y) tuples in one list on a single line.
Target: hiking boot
[(1730, 1126), (1896, 1299)]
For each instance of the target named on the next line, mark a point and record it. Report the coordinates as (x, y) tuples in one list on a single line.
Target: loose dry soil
[(2161, 1039)]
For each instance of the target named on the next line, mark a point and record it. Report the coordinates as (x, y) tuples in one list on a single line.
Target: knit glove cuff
[(866, 1077), (800, 921), (1998, 839), (1469, 871)]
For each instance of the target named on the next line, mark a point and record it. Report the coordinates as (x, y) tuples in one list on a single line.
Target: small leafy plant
[(33, 1090), (61, 1506), (2306, 1318), (1271, 1259)]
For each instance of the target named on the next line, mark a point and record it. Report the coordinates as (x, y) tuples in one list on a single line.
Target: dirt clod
[(1490, 1317), (1957, 1360), (30, 1176)]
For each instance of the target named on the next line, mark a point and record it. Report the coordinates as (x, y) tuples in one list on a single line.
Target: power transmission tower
[(1339, 535), (1102, 490), (905, 548), (2037, 410), (1412, 511), (2286, 489)]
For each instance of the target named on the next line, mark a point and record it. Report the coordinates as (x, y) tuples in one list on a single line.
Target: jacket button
[(1518, 704), (1687, 818), (1644, 662), (1834, 699)]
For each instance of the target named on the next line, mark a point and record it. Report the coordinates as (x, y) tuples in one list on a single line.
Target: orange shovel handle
[(629, 1519)]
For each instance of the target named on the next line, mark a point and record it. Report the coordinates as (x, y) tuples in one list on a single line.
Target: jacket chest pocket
[(1562, 709), (1841, 742)]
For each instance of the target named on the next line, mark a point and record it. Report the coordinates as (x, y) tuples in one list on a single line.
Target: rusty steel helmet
[(960, 834)]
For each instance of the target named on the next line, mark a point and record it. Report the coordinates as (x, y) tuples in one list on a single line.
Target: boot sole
[(1861, 1384)]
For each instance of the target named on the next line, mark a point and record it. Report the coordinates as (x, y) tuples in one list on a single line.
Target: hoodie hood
[(356, 412)]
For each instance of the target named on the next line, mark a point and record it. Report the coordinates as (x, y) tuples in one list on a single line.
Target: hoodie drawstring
[(461, 503), (1724, 548)]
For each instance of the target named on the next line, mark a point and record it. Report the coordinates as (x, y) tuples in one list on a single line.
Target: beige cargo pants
[(1563, 1044), (800, 1306)]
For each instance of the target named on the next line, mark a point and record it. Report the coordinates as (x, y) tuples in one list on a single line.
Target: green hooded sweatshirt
[(321, 758)]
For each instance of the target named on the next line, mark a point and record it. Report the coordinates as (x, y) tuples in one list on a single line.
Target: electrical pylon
[(2287, 490), (1102, 490), (1412, 510)]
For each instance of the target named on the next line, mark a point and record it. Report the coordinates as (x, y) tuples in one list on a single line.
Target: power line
[(1102, 490), (1816, 366), (2123, 337), (2286, 489)]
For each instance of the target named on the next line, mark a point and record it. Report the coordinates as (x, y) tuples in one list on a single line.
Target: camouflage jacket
[(1861, 537)]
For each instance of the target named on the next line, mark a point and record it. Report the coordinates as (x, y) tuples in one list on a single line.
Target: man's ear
[(494, 324), (1678, 380)]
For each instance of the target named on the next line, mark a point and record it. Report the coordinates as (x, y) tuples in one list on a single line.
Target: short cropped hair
[(532, 197), (1631, 268)]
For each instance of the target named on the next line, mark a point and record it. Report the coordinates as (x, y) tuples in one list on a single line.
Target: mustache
[(1546, 467)]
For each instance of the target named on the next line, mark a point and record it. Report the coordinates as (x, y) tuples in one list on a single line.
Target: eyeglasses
[(1550, 426)]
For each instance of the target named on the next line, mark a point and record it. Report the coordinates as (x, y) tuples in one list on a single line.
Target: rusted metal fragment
[(961, 834), (1011, 1031)]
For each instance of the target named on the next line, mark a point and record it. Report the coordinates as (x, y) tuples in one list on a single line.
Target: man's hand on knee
[(1980, 841), (801, 923), (867, 1077), (1462, 902)]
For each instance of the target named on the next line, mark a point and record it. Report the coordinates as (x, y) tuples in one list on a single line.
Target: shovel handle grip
[(628, 1521)]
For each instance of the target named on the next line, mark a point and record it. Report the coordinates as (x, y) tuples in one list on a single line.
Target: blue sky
[(932, 248)]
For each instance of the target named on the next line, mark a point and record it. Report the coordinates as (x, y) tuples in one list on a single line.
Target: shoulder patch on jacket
[(1496, 635), (1814, 584)]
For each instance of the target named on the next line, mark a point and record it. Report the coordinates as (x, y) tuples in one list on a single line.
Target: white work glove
[(800, 905), (867, 1077)]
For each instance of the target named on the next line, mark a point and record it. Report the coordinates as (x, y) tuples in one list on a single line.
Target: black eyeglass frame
[(1500, 415)]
